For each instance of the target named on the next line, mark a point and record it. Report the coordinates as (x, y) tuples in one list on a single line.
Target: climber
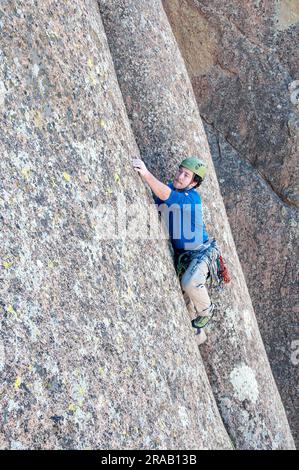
[(196, 257)]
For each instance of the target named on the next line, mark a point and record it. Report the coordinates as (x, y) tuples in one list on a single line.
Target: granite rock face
[(96, 350), (166, 123), (243, 58)]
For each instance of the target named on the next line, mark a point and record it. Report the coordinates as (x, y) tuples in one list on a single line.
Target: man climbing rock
[(196, 257)]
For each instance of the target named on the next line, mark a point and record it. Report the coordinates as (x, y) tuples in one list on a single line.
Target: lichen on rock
[(95, 352)]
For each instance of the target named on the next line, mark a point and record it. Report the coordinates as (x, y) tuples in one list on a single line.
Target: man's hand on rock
[(160, 189), (140, 167)]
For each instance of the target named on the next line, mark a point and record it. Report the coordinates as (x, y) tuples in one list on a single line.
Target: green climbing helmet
[(194, 164)]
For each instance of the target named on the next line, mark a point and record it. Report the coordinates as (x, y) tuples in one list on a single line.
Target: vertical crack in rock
[(282, 197), (167, 126), (249, 79), (95, 347)]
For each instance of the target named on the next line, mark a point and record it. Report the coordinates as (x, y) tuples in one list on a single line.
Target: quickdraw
[(223, 271)]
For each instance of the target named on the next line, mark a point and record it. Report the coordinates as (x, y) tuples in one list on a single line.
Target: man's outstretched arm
[(161, 190)]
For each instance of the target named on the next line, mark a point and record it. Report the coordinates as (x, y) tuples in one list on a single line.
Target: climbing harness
[(210, 253), (218, 274)]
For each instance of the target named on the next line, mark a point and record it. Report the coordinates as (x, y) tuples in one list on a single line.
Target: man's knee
[(193, 282)]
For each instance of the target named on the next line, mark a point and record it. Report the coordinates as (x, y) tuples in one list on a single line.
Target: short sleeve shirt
[(182, 213)]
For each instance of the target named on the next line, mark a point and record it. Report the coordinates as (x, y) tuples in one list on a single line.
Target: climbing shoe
[(202, 320)]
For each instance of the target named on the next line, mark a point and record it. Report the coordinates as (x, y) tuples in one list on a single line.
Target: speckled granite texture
[(243, 61), (96, 349), (166, 123)]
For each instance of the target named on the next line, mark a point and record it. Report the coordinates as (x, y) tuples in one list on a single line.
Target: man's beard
[(181, 190)]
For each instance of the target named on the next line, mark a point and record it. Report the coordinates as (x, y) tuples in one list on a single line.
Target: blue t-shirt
[(182, 213)]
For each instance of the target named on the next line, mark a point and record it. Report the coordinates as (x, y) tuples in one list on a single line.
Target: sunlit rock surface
[(96, 349), (243, 61), (167, 126)]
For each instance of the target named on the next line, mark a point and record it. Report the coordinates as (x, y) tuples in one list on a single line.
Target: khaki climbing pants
[(194, 290)]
